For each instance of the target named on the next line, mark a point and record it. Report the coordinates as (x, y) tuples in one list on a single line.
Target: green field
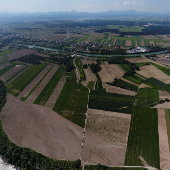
[(163, 69), (81, 71), (143, 138), (131, 29), (157, 84), (135, 79), (84, 38), (125, 85), (91, 85), (6, 69), (167, 114), (125, 67), (18, 84), (147, 97), (5, 52), (72, 102), (49, 88), (110, 102)]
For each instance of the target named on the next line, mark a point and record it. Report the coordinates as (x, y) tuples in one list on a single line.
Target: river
[(96, 55)]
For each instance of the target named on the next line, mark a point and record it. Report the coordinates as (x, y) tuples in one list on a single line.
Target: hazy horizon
[(33, 6)]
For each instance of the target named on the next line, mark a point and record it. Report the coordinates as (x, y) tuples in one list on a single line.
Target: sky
[(158, 6)]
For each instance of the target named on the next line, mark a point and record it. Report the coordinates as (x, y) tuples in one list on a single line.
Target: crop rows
[(18, 84), (143, 141)]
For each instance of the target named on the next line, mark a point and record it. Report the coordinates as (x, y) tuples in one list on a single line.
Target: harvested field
[(11, 73), (54, 97), (86, 61), (33, 83), (151, 71), (164, 95), (96, 151), (41, 86), (118, 90), (110, 71), (41, 129), (20, 53), (111, 129), (128, 43), (143, 86), (139, 60), (163, 141), (90, 76), (165, 105)]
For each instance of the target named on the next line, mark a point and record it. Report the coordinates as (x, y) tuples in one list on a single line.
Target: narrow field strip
[(6, 69), (16, 86), (41, 85), (49, 88), (12, 73), (33, 83), (54, 96), (163, 141)]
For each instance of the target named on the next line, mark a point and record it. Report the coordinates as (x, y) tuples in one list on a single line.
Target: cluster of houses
[(137, 50)]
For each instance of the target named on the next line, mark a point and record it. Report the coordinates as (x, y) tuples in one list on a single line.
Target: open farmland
[(110, 102), (123, 83), (163, 141), (72, 102), (149, 71), (135, 79), (147, 97), (143, 141), (35, 92), (27, 91), (57, 90), (167, 113), (49, 88), (99, 167), (110, 127), (41, 130), (118, 90), (90, 78), (109, 72), (20, 53), (18, 84), (80, 68), (12, 72), (164, 69)]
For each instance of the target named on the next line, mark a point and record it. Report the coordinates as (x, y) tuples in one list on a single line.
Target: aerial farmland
[(81, 101)]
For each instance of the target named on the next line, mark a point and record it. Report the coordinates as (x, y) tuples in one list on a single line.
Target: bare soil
[(20, 53), (164, 95), (128, 43), (88, 62), (112, 129), (151, 71), (118, 90), (42, 85), (165, 105), (53, 98), (163, 141), (110, 71), (41, 129)]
